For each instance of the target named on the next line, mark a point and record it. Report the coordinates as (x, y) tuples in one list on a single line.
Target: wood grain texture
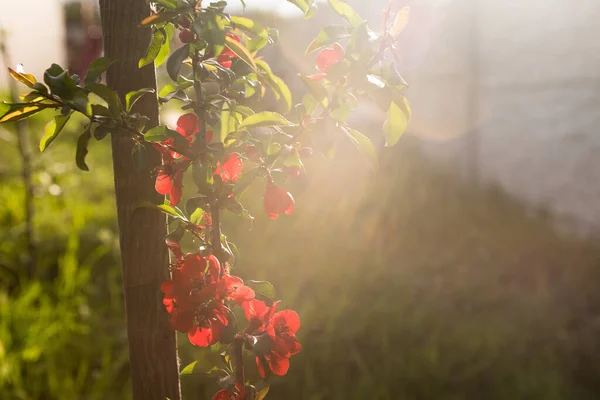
[(152, 344)]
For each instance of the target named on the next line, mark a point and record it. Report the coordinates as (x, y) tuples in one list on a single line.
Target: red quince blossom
[(277, 200), (232, 168), (258, 314), (226, 394), (194, 298), (169, 179), (326, 59), (226, 55), (281, 328)]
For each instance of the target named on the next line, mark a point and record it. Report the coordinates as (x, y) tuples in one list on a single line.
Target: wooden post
[(152, 344)]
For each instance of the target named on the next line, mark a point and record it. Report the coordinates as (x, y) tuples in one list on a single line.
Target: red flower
[(258, 314), (195, 295), (281, 328), (226, 55), (226, 394), (277, 200), (326, 59), (169, 179), (187, 125), (232, 168)]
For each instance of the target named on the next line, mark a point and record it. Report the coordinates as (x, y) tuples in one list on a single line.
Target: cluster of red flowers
[(197, 300), (169, 177)]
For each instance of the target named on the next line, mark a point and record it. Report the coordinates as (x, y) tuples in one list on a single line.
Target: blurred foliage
[(55, 317)]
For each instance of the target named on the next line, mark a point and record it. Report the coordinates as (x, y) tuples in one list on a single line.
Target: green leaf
[(175, 60), (265, 118), (395, 125), (205, 365), (197, 215), (158, 38), (259, 34), (82, 149), (315, 88), (139, 157), (262, 288), (240, 51), (59, 82), (52, 129), (364, 146), (156, 134), (327, 36), (166, 208), (132, 97), (215, 28), (400, 21), (108, 95), (165, 48), (26, 79), (97, 68), (102, 131), (282, 91), (346, 12), (10, 112), (306, 6)]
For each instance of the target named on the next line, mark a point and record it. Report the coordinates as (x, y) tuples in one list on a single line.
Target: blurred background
[(468, 270)]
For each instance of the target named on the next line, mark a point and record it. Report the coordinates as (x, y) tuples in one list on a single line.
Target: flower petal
[(163, 183), (279, 365)]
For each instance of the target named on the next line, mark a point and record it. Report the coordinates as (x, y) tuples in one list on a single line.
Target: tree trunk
[(152, 345)]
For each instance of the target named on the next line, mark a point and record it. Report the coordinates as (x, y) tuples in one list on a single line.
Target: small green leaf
[(158, 38), (97, 68), (395, 125), (156, 134), (108, 95), (10, 112), (52, 129), (166, 208), (26, 79), (327, 36), (175, 60), (165, 48), (315, 88), (59, 82), (240, 51), (101, 131), (197, 215), (263, 288), (132, 97), (82, 149), (346, 12), (306, 6), (364, 146), (262, 393), (400, 21), (265, 118)]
